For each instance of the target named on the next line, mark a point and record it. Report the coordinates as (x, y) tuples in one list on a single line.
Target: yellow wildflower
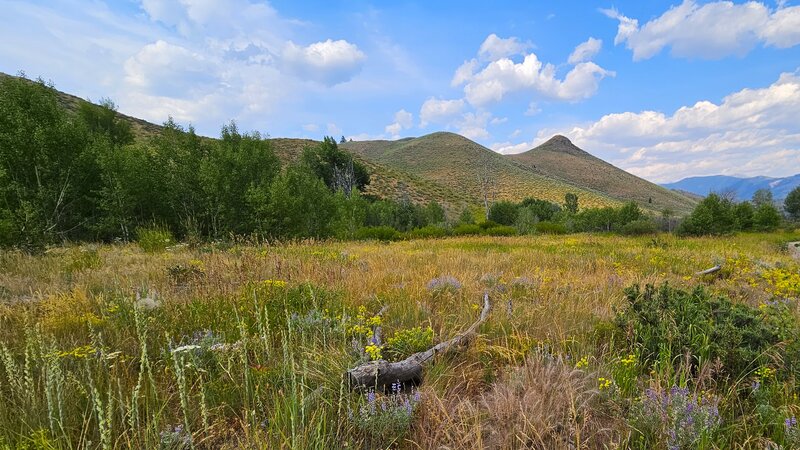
[(373, 351)]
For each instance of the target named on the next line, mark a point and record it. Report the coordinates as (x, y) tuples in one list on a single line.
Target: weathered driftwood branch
[(381, 374), (716, 268)]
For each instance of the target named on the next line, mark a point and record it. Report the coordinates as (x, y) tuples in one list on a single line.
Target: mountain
[(456, 162), (742, 187), (559, 158)]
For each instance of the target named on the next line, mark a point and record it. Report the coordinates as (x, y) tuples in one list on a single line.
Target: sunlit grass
[(111, 347)]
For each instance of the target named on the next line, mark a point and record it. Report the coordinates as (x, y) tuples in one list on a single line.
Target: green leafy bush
[(406, 342), (503, 212), (427, 232), (466, 230), (639, 227), (380, 233), (546, 227), (486, 224), (500, 230), (662, 324), (154, 239)]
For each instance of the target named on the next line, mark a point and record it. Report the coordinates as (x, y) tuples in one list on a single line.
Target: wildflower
[(582, 363), (764, 373), (684, 418), (78, 352), (603, 383), (446, 283), (373, 351), (274, 283)]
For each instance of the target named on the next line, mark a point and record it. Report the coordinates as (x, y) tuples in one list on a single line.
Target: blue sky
[(665, 90)]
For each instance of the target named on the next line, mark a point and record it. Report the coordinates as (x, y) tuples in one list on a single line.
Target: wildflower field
[(593, 341)]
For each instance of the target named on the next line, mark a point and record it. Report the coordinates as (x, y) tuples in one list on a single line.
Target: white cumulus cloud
[(166, 69), (585, 51), (750, 132), (494, 47), (403, 120), (434, 110), (711, 31), (328, 62), (504, 76)]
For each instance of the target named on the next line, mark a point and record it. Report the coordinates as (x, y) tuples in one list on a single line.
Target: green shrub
[(500, 230), (486, 224), (713, 215), (639, 227), (503, 212), (154, 239), (546, 227), (665, 324), (427, 232), (466, 230), (381, 233), (406, 342)]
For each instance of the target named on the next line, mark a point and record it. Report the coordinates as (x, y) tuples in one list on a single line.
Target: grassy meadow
[(245, 345)]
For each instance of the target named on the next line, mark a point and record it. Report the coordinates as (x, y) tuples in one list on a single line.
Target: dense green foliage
[(792, 203), (82, 176), (717, 215), (503, 212), (664, 323)]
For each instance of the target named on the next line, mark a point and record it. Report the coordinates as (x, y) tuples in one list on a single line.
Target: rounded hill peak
[(558, 138)]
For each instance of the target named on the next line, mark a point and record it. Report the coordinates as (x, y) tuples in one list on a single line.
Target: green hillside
[(139, 127), (456, 162), (559, 158), (385, 181)]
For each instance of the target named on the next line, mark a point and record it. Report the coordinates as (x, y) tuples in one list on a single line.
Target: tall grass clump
[(154, 239)]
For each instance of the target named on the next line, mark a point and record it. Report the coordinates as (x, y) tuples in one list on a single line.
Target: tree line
[(82, 176)]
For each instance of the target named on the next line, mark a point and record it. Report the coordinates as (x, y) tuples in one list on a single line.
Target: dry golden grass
[(513, 388)]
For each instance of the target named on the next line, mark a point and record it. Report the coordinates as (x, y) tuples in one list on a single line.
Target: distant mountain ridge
[(742, 187)]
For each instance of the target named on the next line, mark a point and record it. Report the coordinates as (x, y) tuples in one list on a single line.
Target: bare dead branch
[(381, 374)]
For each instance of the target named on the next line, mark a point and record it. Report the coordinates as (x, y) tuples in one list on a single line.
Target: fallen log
[(381, 374), (716, 268)]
